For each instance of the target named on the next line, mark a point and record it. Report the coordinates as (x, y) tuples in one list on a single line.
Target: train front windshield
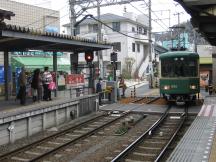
[(179, 67)]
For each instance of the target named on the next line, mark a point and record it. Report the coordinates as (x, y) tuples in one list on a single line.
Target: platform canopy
[(16, 38), (203, 17)]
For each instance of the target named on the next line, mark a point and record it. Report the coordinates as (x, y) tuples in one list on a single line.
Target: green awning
[(205, 60), (31, 63)]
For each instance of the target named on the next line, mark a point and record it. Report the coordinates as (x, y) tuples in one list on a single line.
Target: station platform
[(199, 142)]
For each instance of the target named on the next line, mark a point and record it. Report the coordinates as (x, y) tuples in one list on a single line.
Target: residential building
[(132, 47), (31, 17)]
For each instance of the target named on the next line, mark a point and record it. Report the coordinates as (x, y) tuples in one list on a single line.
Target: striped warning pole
[(134, 91)]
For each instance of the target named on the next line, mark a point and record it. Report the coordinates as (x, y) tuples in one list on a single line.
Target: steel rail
[(76, 139), (153, 100), (140, 99), (4, 156), (171, 139), (139, 139)]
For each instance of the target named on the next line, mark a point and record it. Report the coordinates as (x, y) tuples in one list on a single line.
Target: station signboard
[(75, 80)]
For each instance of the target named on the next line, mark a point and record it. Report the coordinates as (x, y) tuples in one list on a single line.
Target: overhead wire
[(147, 16), (156, 15), (114, 29)]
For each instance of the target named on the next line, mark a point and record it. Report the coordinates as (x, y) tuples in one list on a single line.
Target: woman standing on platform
[(37, 85), (47, 79)]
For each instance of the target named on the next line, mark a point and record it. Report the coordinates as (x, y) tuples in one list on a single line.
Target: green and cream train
[(179, 76)]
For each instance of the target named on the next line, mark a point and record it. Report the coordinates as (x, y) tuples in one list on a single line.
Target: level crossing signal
[(113, 56), (89, 56)]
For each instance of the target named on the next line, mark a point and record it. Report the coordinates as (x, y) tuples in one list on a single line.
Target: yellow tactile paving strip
[(212, 157)]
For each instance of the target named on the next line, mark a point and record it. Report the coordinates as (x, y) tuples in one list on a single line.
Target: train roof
[(179, 54)]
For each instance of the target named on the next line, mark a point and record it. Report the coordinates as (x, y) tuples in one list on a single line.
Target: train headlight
[(166, 87), (193, 87)]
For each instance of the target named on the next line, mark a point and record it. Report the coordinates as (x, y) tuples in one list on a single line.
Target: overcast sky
[(136, 7)]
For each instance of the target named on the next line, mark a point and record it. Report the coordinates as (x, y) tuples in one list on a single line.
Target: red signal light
[(89, 56)]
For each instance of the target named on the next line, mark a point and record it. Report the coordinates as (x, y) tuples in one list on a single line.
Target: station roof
[(203, 17), (16, 38), (5, 14)]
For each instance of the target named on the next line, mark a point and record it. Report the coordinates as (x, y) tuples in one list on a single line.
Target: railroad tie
[(143, 154), (87, 128), (72, 135), (19, 159), (58, 155), (64, 139), (55, 143), (79, 131), (32, 153), (149, 148), (44, 147), (129, 160), (109, 158)]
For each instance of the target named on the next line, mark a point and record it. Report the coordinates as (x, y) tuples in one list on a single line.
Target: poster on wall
[(204, 78), (75, 80)]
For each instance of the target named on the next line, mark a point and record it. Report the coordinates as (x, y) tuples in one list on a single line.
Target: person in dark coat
[(22, 82), (99, 90), (36, 85)]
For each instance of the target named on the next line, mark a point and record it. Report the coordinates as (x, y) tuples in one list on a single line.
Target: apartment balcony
[(141, 36)]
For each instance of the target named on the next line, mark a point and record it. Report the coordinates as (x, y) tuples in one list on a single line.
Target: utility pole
[(150, 49), (99, 36), (72, 16), (179, 42), (195, 40), (169, 18)]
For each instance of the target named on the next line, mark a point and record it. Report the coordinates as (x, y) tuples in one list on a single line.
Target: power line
[(156, 15), (147, 16), (113, 28)]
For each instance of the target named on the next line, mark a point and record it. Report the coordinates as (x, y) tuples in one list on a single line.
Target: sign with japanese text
[(75, 80)]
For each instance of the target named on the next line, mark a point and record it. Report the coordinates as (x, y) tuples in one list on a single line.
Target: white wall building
[(31, 17), (126, 47)]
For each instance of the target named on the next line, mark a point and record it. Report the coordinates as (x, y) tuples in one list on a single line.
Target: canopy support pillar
[(74, 62), (55, 72), (6, 76)]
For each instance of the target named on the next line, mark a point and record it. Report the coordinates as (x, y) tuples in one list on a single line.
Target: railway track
[(146, 100), (45, 147), (152, 144)]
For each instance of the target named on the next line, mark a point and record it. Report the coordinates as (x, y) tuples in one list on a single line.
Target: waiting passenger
[(22, 84), (36, 85), (99, 90), (47, 79)]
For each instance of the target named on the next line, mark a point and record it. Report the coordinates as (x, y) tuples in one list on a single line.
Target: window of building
[(77, 30), (133, 29), (93, 28), (145, 31), (117, 46), (139, 30), (116, 26), (138, 47), (133, 47)]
